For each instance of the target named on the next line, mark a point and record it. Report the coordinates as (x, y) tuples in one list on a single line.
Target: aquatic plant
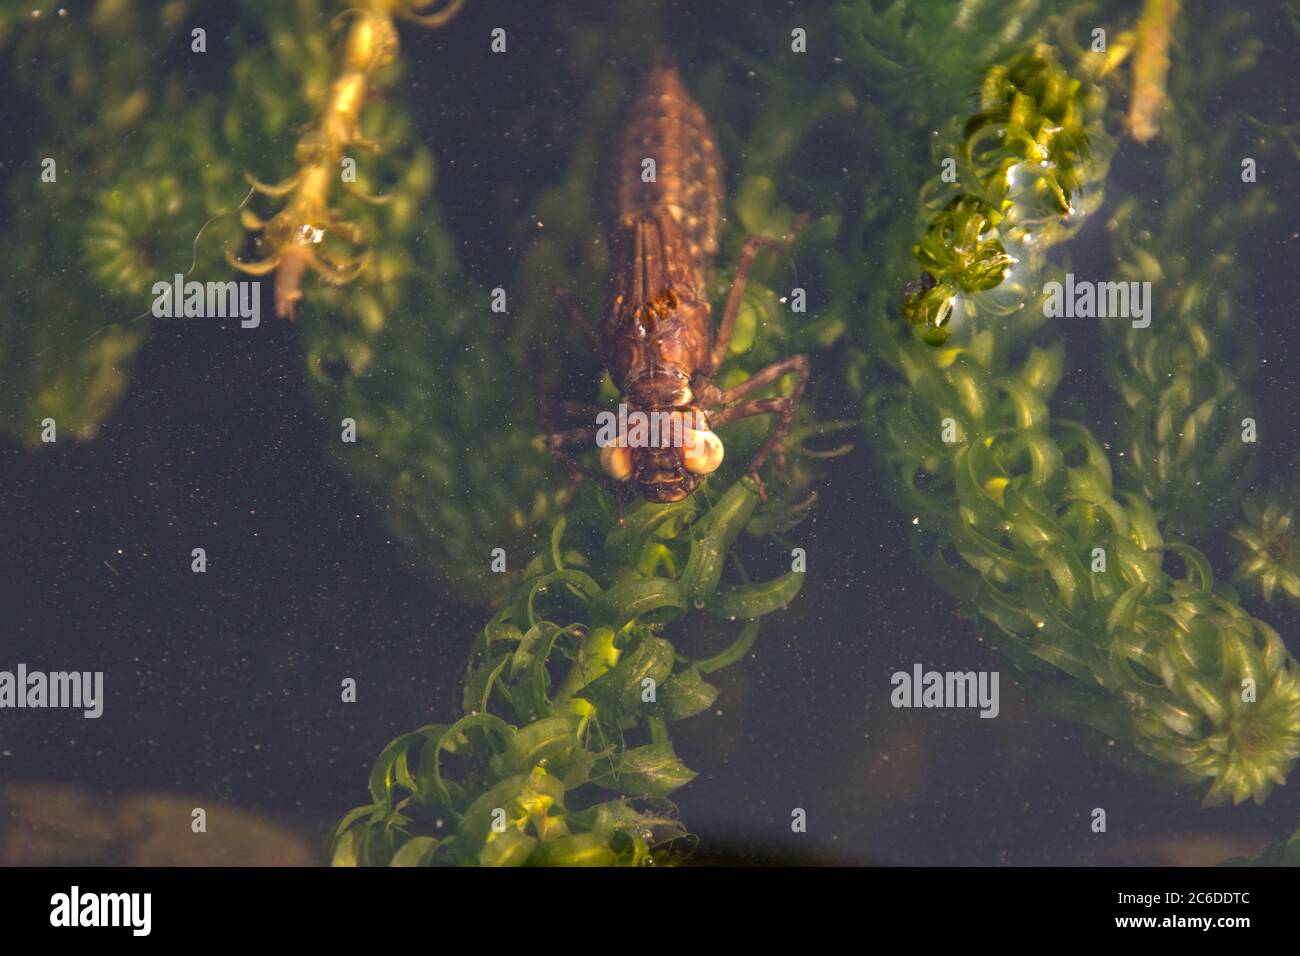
[(562, 754), (1183, 382), (1019, 193), (159, 192), (1268, 541), (448, 456), (929, 54), (1154, 33), (298, 238), (93, 210), (1020, 522), (1016, 513)]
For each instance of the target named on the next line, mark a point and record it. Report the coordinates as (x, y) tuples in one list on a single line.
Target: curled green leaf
[(754, 600)]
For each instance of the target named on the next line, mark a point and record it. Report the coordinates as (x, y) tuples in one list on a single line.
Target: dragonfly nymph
[(657, 337)]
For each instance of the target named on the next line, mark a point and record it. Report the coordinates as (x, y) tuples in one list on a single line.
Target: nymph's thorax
[(657, 324)]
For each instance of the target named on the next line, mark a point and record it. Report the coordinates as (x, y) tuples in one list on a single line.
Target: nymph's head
[(662, 453)]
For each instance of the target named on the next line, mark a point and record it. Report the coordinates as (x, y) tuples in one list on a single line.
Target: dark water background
[(225, 685)]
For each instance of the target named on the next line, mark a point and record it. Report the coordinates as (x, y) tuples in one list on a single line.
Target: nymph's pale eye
[(617, 462), (702, 452)]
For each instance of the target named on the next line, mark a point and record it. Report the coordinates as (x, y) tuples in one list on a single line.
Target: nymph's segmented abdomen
[(668, 126)]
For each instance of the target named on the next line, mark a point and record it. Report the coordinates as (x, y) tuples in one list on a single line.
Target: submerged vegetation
[(298, 238), (1019, 515), (1020, 188), (974, 148), (1268, 541), (562, 756)]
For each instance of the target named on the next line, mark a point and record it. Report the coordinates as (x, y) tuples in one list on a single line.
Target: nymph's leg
[(560, 446), (782, 406), (727, 325)]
